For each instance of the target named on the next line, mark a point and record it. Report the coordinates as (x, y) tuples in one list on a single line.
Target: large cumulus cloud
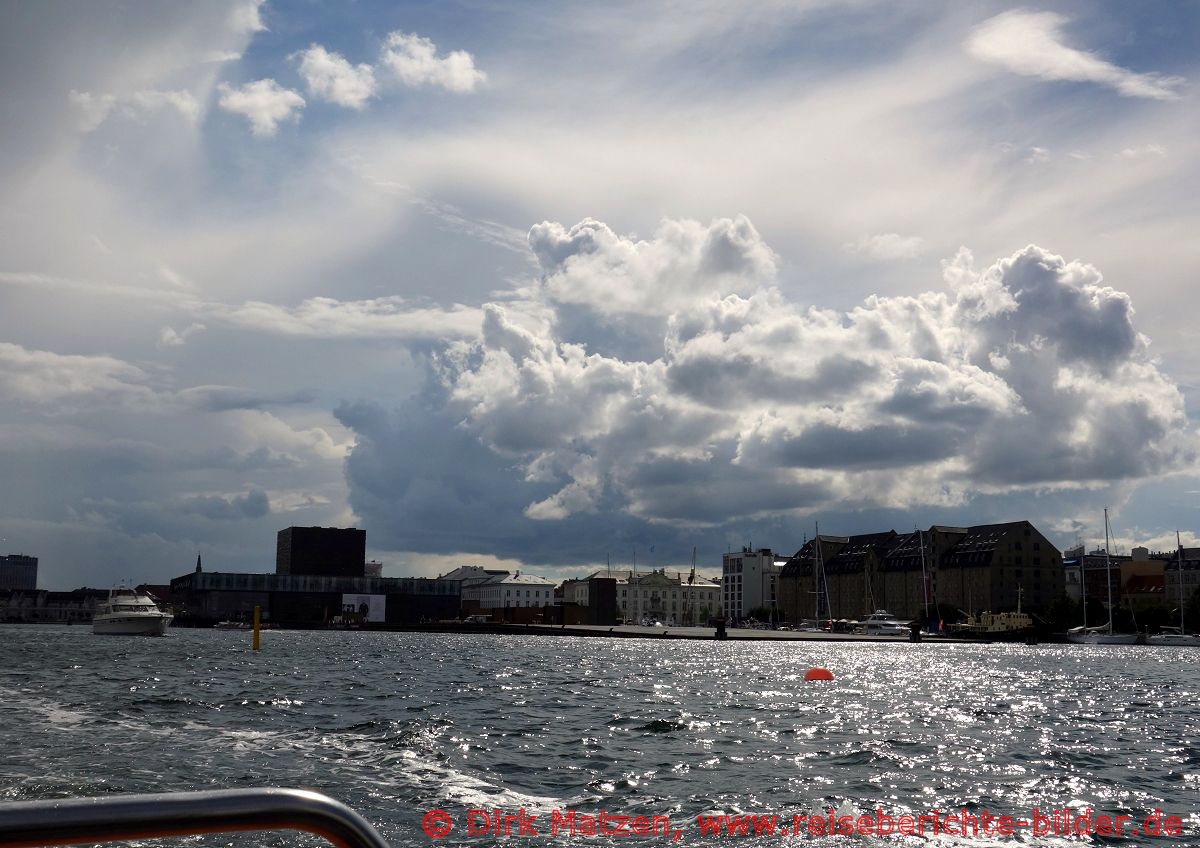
[(669, 382)]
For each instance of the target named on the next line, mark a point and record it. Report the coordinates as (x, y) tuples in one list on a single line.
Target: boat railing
[(74, 821)]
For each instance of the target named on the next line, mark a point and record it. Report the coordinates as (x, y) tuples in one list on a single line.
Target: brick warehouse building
[(967, 568)]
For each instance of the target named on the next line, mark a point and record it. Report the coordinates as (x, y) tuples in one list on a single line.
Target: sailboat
[(822, 586), (1100, 635), (1176, 635)]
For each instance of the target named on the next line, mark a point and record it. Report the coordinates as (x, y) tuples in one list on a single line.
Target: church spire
[(199, 568)]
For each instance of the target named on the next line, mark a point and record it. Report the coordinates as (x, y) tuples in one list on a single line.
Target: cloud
[(1143, 151), (246, 17), (225, 398), (330, 77), (57, 382), (94, 109), (264, 103), (1031, 44), (414, 61), (252, 504), (888, 246), (91, 108), (168, 337), (589, 265), (755, 409), (325, 317)]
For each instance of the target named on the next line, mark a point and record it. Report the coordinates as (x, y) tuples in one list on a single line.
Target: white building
[(675, 598), (506, 590), (749, 581)]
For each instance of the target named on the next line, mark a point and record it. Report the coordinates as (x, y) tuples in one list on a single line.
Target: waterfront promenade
[(634, 631)]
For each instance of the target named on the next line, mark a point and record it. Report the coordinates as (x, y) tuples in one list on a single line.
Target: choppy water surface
[(396, 724)]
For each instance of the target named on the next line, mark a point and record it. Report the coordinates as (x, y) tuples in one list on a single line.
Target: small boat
[(883, 623), (243, 625), (1173, 636), (1176, 635), (1101, 635), (998, 626), (130, 613)]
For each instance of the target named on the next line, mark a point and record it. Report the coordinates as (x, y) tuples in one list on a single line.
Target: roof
[(1145, 584), (521, 579)]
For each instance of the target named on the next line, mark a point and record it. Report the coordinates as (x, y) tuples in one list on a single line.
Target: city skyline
[(530, 286)]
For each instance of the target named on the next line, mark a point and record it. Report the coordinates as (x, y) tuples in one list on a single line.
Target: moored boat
[(1101, 635), (883, 623), (1176, 635), (1173, 636)]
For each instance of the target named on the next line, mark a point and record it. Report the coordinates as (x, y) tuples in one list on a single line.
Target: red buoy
[(817, 673)]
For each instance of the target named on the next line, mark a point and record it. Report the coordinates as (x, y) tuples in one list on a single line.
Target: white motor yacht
[(883, 623), (129, 613)]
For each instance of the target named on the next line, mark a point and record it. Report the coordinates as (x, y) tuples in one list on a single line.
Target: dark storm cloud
[(226, 398), (253, 504)]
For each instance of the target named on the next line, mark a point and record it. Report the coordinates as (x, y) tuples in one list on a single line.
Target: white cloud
[(1143, 151), (1037, 155), (1031, 44), (58, 382), (264, 103), (324, 317), (330, 77), (414, 61), (91, 108), (590, 265), (94, 109), (246, 17), (888, 246), (753, 406), (183, 102), (168, 337)]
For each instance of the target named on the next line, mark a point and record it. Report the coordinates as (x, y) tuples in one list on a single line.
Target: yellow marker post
[(257, 611)]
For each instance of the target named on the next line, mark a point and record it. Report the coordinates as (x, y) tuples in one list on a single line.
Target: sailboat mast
[(692, 591), (924, 576), (1179, 558), (1107, 571), (819, 570)]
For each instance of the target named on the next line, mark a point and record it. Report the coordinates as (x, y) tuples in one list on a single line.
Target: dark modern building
[(305, 600), (321, 551), (18, 571), (43, 607)]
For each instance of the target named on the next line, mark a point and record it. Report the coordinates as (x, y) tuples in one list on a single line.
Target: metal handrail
[(72, 821)]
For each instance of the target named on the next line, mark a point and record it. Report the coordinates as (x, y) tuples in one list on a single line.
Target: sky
[(550, 286)]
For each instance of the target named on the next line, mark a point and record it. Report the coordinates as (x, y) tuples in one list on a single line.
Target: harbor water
[(398, 724)]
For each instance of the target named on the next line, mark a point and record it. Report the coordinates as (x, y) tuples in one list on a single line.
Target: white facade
[(576, 591), (1190, 575), (665, 596), (511, 590), (749, 581)]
